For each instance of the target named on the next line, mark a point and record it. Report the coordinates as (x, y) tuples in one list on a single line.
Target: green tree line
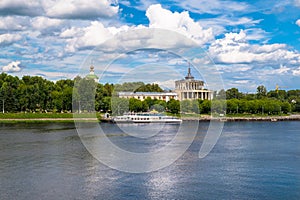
[(36, 94)]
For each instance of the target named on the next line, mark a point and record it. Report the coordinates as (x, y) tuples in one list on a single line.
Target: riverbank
[(47, 117), (68, 118), (49, 120), (245, 118)]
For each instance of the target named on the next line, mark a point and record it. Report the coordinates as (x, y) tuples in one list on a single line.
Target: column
[(202, 96)]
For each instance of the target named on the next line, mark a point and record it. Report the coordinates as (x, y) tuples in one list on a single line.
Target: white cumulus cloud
[(180, 22), (91, 36), (78, 9), (12, 67), (13, 23), (235, 48), (20, 7), (8, 39), (161, 20), (296, 72), (45, 22), (298, 22)]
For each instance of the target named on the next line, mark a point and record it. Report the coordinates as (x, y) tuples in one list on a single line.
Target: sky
[(241, 44)]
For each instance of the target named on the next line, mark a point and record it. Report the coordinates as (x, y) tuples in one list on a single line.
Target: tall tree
[(261, 92)]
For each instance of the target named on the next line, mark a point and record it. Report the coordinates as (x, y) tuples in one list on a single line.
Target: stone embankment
[(268, 118)]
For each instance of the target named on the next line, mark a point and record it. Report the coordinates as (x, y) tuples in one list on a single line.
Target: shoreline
[(47, 120), (204, 119), (236, 119)]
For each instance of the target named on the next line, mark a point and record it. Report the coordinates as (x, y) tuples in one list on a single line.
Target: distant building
[(166, 96), (189, 88), (92, 74), (185, 89)]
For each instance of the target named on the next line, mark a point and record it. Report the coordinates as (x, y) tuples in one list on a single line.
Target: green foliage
[(261, 92), (173, 106), (119, 106), (137, 105), (218, 106), (35, 94), (189, 106), (221, 94), (128, 86), (204, 106), (149, 88), (35, 115), (262, 106), (233, 93)]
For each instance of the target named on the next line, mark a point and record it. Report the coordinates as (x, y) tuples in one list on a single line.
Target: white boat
[(146, 118)]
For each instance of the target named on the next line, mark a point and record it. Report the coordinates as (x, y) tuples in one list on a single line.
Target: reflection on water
[(252, 160), (143, 130)]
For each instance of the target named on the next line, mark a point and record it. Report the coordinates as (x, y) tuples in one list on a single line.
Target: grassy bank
[(47, 117), (35, 115)]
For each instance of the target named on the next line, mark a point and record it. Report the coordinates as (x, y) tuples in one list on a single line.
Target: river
[(251, 160)]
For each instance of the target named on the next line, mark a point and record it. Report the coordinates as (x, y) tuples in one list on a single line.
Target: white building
[(166, 96), (187, 88)]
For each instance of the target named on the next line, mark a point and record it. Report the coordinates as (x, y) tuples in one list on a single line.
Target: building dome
[(92, 74), (190, 88)]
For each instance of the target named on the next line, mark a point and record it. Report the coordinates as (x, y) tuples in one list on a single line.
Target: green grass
[(227, 115), (33, 121), (47, 115), (34, 115), (254, 115)]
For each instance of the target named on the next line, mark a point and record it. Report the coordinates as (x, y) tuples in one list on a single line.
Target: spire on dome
[(92, 69), (189, 75), (92, 74)]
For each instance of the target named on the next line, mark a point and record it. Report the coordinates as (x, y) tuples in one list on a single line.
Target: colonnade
[(196, 95)]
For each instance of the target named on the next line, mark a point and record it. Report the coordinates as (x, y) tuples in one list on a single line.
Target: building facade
[(185, 89), (166, 96), (189, 88)]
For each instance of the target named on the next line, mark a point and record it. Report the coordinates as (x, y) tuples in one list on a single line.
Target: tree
[(185, 106), (205, 106), (218, 106), (173, 106), (119, 106), (149, 88), (137, 105), (233, 93), (261, 92), (86, 91), (232, 106), (221, 94), (286, 107)]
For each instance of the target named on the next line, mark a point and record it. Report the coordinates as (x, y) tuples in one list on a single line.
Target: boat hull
[(147, 118)]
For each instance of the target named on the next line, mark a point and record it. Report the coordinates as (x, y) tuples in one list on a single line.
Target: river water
[(251, 160)]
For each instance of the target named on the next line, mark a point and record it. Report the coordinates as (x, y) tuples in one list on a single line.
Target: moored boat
[(146, 118)]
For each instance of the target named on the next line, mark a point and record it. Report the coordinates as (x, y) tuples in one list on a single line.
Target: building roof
[(92, 74)]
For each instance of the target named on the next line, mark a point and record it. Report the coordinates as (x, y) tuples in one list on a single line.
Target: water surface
[(252, 160)]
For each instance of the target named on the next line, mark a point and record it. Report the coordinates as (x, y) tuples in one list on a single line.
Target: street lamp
[(3, 106)]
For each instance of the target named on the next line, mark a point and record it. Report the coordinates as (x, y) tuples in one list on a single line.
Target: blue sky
[(249, 43)]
